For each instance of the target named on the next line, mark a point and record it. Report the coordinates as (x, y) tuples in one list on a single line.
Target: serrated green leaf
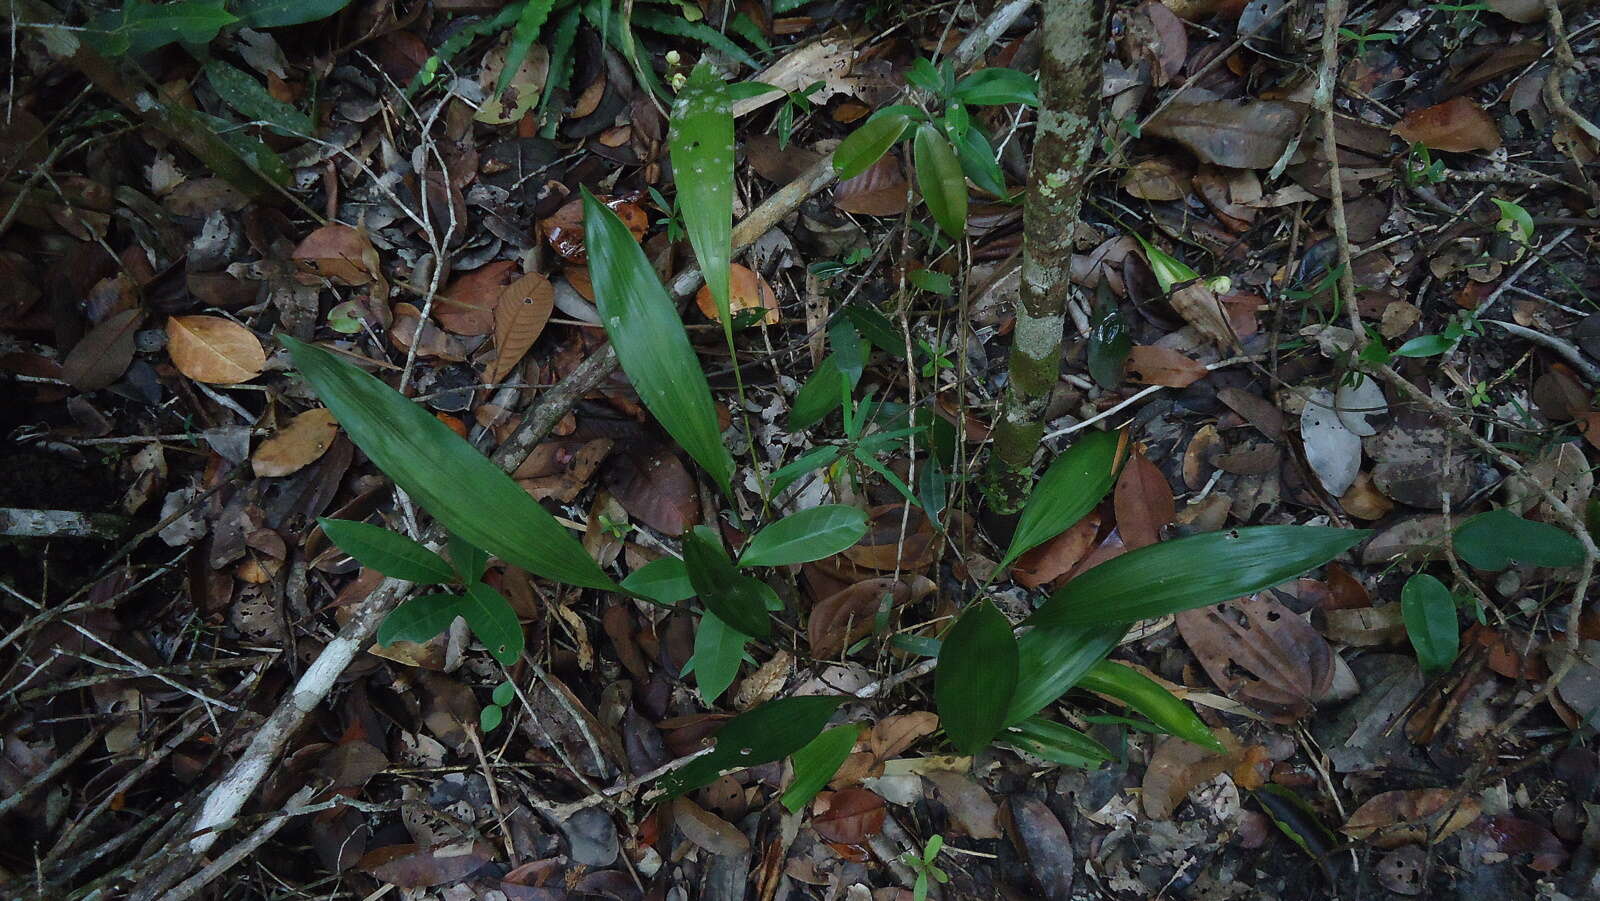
[(420, 618), (140, 27), (1494, 540), (494, 622), (250, 99), (724, 590), (1057, 743), (700, 139), (278, 13), (1074, 483), (490, 718), (445, 475), (939, 177), (819, 396), (1430, 615), (995, 86), (976, 677), (718, 650), (529, 21), (390, 553), (664, 580), (1191, 572), (770, 732), (1146, 696), (644, 327), (867, 144), (816, 763), (806, 535)]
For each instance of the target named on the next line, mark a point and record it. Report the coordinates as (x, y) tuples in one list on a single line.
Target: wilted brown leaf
[(894, 734), (411, 866), (1156, 179), (652, 484), (339, 253), (746, 291), (1056, 557), (467, 306), (883, 547), (214, 350), (1411, 816), (1249, 135), (1039, 836), (708, 830), (563, 230), (1261, 653), (1155, 365), (305, 439), (520, 315), (879, 191), (1457, 125), (1143, 502), (841, 619), (778, 164), (100, 358), (849, 817)]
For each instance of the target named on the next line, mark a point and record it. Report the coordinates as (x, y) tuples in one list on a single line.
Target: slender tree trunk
[(1069, 81)]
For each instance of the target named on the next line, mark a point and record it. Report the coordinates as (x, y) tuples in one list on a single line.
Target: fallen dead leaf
[(304, 440), (338, 253), (879, 191), (214, 350), (520, 315), (1056, 557), (1457, 125), (1152, 364), (1262, 653), (467, 305), (849, 817), (708, 830), (746, 291), (841, 619), (1143, 502), (1411, 816), (1249, 135), (103, 355)]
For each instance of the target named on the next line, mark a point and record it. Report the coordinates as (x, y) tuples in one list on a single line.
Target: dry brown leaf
[(778, 164), (1176, 768), (339, 253), (435, 341), (100, 358), (849, 817), (1158, 179), (1056, 557), (214, 350), (1199, 306), (1411, 816), (971, 809), (841, 619), (764, 684), (1249, 135), (1256, 410), (827, 60), (708, 830), (1457, 125), (653, 486), (1522, 11), (746, 291), (1143, 502), (467, 305), (520, 315), (892, 735), (303, 441), (879, 191), (1261, 653), (1152, 364), (896, 539)]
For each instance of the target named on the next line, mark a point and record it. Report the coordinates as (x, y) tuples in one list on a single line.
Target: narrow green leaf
[(978, 162), (250, 99), (867, 144), (770, 732), (806, 535), (1146, 696), (1425, 346), (939, 177), (468, 561), (701, 142), (976, 677), (819, 396), (561, 64), (278, 13), (664, 581), (995, 86), (444, 474), (490, 717), (816, 763), (644, 327), (718, 650), (678, 26), (529, 22), (420, 618), (252, 150), (1297, 820), (1430, 615), (494, 622), (1057, 743), (1052, 660), (1075, 482), (1169, 270), (816, 458), (724, 590), (1192, 572), (390, 553), (1495, 540)]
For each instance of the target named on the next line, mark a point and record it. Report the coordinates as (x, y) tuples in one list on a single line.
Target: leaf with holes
[(1259, 652), (520, 316)]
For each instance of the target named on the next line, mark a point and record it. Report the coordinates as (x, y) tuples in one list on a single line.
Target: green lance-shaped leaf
[(444, 474), (529, 21), (995, 86), (1057, 743), (250, 99), (1075, 482), (718, 651), (390, 553), (1169, 270), (651, 345), (736, 599), (770, 732), (1499, 538), (1192, 572), (939, 176), (1430, 615), (664, 581), (420, 618), (1147, 696), (700, 139), (279, 13), (976, 677), (140, 27), (867, 144), (819, 396), (806, 535), (816, 763), (1052, 660)]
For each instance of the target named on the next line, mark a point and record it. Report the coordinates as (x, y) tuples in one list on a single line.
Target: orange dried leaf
[(746, 291), (339, 253), (467, 306), (302, 442), (1457, 125), (1411, 816), (520, 316), (214, 350), (1155, 365)]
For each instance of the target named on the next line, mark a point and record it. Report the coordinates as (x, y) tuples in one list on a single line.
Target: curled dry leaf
[(1199, 306), (746, 291), (214, 350), (1249, 135), (850, 817), (520, 315), (1261, 653), (1056, 557), (303, 441), (1177, 768), (1458, 125), (892, 735), (1152, 364), (1411, 816), (841, 619)]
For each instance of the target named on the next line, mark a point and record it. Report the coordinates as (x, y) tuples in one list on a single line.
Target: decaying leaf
[(520, 315), (214, 350), (746, 291), (1458, 125), (879, 191), (1411, 816), (103, 355), (1153, 364), (339, 253), (842, 619), (1248, 135), (849, 817), (304, 440), (1143, 502), (1262, 653), (1332, 450)]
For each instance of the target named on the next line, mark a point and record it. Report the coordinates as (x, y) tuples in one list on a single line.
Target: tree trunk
[(1069, 80)]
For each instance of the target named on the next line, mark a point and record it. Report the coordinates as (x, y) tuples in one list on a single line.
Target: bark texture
[(1069, 82)]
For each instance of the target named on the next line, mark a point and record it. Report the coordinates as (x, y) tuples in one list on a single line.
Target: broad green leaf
[(490, 717), (724, 590), (1430, 615), (277, 13), (979, 164), (1425, 346), (876, 328), (444, 474), (504, 693), (701, 142), (718, 650), (1495, 540), (976, 677), (1146, 696), (816, 458), (1208, 568), (494, 622), (819, 396), (1075, 482), (420, 618), (1169, 270), (995, 86), (1052, 660), (867, 144), (806, 535), (251, 100), (140, 27), (770, 732), (664, 581), (644, 327), (1057, 743), (255, 153), (529, 22), (390, 553), (939, 177), (816, 763)]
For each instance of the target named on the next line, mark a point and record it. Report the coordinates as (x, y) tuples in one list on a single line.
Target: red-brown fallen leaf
[(411, 866), (1515, 835), (652, 484), (746, 291), (892, 735), (101, 357), (1155, 365), (1143, 502), (849, 817), (1158, 179), (1410, 816), (305, 439), (214, 350), (520, 315), (466, 306), (339, 253), (1261, 653), (1505, 653), (879, 191), (1457, 125), (841, 619), (775, 164), (883, 548), (563, 230), (1345, 591), (1038, 835), (1056, 557), (1249, 135)]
